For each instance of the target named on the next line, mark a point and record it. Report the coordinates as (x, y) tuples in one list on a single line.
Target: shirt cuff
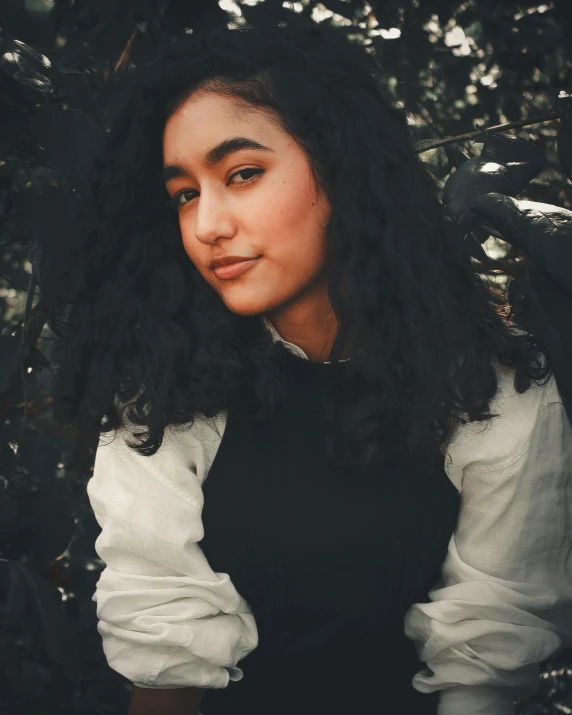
[(477, 700)]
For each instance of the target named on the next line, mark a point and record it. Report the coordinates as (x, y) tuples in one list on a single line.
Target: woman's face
[(256, 203)]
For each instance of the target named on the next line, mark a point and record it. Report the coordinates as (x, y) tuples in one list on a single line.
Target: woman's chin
[(245, 307)]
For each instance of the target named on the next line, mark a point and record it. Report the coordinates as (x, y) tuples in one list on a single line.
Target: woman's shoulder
[(181, 463), (193, 448), (498, 442), (205, 434)]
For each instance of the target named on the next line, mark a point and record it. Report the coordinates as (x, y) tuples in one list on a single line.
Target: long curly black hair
[(148, 341)]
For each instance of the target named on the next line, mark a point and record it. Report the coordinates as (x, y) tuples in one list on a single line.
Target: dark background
[(456, 66)]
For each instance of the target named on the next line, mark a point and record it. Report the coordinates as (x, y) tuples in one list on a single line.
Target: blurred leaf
[(31, 600), (542, 231), (10, 349), (53, 532), (564, 141), (26, 66), (71, 140), (505, 166)]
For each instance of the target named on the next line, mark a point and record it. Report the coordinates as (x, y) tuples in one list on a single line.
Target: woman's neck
[(316, 340)]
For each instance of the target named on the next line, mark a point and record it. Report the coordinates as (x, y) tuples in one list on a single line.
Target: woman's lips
[(232, 270)]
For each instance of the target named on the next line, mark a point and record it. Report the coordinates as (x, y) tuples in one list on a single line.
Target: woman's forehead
[(204, 132)]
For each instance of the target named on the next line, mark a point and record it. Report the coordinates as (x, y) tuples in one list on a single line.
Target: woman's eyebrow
[(216, 154)]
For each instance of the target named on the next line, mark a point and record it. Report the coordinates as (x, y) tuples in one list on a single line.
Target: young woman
[(352, 491)]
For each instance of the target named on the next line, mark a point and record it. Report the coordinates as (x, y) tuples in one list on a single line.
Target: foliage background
[(456, 66)]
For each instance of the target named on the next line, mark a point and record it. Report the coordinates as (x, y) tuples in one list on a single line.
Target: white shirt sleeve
[(504, 602), (165, 618)]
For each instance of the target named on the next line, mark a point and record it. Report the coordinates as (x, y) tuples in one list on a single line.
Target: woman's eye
[(176, 197), (253, 172)]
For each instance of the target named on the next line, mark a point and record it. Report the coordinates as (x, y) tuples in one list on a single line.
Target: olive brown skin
[(172, 701), (252, 203)]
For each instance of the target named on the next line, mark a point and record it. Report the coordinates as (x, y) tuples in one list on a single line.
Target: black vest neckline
[(304, 368)]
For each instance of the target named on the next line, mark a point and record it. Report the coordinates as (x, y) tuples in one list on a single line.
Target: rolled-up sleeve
[(165, 618), (504, 602)]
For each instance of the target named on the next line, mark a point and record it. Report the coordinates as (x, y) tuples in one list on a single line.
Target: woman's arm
[(166, 619), (176, 701), (504, 604)]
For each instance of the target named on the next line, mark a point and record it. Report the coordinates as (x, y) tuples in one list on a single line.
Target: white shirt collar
[(293, 348)]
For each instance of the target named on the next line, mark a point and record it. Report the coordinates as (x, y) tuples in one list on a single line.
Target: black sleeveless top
[(328, 563)]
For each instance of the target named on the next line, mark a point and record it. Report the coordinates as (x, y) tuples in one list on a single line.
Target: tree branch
[(427, 144)]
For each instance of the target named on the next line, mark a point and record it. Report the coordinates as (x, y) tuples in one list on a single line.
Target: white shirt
[(503, 605)]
